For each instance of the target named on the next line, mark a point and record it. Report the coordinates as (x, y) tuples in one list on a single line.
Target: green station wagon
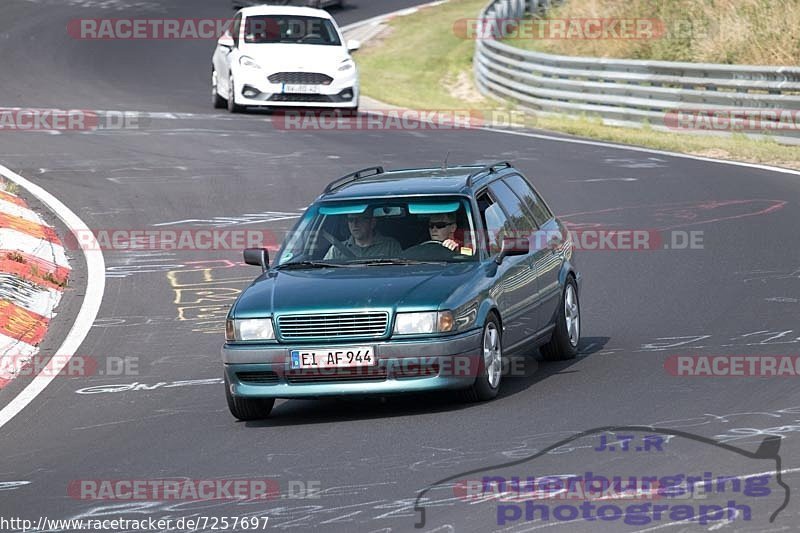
[(404, 281)]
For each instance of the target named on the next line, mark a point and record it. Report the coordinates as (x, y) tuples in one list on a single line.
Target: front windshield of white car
[(291, 29), (386, 231)]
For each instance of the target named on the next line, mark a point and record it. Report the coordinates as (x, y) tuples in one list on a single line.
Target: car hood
[(280, 57), (342, 289)]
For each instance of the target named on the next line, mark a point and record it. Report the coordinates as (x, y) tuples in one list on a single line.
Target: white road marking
[(12, 485), (588, 142), (95, 286)]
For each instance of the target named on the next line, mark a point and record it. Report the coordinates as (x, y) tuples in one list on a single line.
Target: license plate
[(349, 357), (301, 89)]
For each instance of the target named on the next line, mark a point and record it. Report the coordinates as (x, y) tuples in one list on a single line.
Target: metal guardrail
[(629, 92)]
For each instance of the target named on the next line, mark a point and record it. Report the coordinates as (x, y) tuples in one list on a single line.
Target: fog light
[(250, 92), (347, 94)]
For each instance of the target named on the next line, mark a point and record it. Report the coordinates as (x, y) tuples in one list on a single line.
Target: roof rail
[(353, 176), (490, 169)]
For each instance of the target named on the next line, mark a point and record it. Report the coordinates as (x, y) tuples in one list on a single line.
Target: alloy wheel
[(572, 315), (492, 354)]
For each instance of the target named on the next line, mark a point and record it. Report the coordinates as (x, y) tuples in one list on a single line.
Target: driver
[(365, 241), (443, 228)]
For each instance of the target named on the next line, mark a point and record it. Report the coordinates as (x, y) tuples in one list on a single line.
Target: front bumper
[(255, 90), (402, 367)]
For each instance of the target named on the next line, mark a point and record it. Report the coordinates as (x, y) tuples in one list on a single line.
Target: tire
[(233, 107), (490, 367), (247, 408), (563, 345), (217, 101)]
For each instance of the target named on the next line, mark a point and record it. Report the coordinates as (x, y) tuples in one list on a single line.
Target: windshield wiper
[(309, 264)]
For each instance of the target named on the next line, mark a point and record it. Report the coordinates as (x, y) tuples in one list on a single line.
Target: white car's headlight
[(347, 64), (426, 322), (250, 329), (249, 62)]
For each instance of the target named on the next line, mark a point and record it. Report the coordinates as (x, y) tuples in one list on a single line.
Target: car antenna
[(444, 165)]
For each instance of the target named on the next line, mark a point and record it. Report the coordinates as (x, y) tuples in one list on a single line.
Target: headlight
[(347, 64), (420, 323), (249, 62), (251, 329)]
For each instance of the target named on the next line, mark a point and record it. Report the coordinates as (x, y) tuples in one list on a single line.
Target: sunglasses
[(439, 225)]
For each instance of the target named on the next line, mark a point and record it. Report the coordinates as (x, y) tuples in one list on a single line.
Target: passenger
[(443, 229), (364, 241)]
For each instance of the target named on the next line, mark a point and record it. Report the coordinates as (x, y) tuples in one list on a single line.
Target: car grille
[(333, 325), (338, 375), (301, 78), (260, 378), (299, 97)]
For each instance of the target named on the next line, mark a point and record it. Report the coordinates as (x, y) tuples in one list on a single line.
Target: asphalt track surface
[(739, 294)]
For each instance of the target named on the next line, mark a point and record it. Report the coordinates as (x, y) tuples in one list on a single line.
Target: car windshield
[(406, 230), (290, 29)]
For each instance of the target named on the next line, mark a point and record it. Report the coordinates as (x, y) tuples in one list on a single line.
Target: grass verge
[(744, 32), (420, 63)]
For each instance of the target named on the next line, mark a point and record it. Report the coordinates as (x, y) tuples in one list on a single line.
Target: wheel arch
[(568, 270), (489, 307)]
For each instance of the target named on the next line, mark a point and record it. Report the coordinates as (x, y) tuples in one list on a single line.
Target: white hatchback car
[(283, 56)]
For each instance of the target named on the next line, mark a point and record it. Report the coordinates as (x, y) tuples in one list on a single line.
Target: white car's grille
[(301, 78), (333, 325)]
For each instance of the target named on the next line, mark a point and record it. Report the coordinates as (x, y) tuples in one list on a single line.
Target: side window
[(495, 222), (533, 203), (520, 219), (236, 29)]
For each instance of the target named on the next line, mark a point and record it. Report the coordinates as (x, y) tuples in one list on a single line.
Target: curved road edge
[(93, 297)]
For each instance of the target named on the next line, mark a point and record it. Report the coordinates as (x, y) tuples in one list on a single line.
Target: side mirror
[(257, 257), (353, 45), (226, 41), (511, 246)]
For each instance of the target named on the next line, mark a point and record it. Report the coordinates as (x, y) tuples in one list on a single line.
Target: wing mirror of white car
[(353, 45), (226, 40)]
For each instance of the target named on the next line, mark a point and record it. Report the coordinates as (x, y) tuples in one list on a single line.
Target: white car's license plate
[(301, 89), (345, 357)]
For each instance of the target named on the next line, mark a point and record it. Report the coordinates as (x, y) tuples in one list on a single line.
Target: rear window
[(290, 29), (513, 205), (532, 201)]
